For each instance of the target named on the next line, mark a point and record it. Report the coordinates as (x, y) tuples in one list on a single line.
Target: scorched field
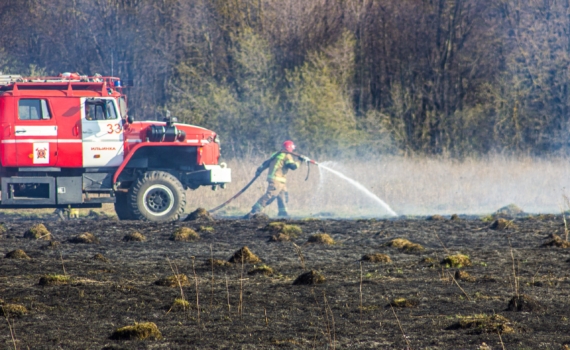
[(423, 283)]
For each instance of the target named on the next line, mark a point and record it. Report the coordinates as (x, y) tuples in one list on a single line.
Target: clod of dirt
[(525, 303), (280, 237), (464, 276), (38, 231), (502, 224), (435, 218), (556, 241), (184, 234), (85, 238), (200, 214), (261, 270), (403, 302), (321, 238), (484, 346), (13, 310), (245, 255), (376, 258), (509, 211), (140, 331), (218, 263), (134, 237), (51, 245), (173, 281), (455, 217), (484, 324), (100, 257), (405, 245), (457, 260), (54, 280), (17, 254), (309, 278)]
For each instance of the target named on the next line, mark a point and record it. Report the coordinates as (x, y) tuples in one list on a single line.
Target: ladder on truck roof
[(8, 79)]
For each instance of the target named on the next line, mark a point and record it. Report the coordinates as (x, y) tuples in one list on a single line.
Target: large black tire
[(122, 207), (157, 196)]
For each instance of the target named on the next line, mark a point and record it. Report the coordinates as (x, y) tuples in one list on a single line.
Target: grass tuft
[(134, 237), (261, 270), (482, 323), (405, 245), (309, 278), (85, 238), (138, 331), (246, 255), (556, 241), (184, 234), (457, 261), (376, 258), (54, 280), (17, 254), (403, 302), (321, 238), (13, 310), (38, 231)]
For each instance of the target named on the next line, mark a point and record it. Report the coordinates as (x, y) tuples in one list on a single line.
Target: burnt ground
[(103, 296)]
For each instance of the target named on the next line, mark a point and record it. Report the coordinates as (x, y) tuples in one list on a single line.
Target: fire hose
[(301, 157)]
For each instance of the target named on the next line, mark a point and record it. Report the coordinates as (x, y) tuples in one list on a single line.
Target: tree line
[(355, 77)]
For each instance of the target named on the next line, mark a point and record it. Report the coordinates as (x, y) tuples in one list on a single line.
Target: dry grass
[(218, 263), (482, 323), (457, 261), (244, 255), (461, 275), (38, 231), (280, 237), (173, 281), (321, 238), (184, 234), (502, 224), (180, 304), (309, 278), (411, 186), (277, 227), (556, 241), (54, 280), (134, 237), (405, 245), (376, 258), (13, 310), (261, 270), (404, 303), (139, 331), (100, 257)]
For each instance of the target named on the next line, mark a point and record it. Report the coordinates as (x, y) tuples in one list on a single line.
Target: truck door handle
[(20, 131)]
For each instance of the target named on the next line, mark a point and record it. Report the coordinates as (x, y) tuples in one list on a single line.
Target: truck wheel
[(157, 196), (122, 207)]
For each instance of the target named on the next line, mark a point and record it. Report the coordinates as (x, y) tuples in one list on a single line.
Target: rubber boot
[(257, 208), (282, 207)]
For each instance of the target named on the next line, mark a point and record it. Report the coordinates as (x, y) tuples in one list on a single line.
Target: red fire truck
[(67, 142)]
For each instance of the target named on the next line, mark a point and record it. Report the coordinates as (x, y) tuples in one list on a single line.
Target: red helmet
[(289, 146)]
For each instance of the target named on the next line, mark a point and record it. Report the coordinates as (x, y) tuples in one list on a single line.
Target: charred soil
[(234, 309)]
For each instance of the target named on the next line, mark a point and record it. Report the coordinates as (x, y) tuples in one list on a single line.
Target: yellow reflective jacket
[(278, 164)]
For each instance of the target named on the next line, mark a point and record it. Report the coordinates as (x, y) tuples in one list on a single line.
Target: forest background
[(353, 77)]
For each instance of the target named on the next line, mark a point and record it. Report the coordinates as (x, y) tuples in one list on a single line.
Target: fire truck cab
[(68, 142)]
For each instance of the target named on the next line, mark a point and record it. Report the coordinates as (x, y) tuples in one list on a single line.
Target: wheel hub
[(158, 199)]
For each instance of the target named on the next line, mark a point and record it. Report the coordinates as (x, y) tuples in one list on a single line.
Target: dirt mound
[(38, 231), (376, 258), (509, 211), (502, 224), (455, 217), (173, 281), (280, 237), (200, 214), (51, 245), (464, 276), (484, 324), (556, 241), (405, 245), (54, 280), (292, 231), (321, 238), (457, 261), (309, 278), (403, 302), (140, 331), (259, 217), (85, 238), (525, 303), (13, 310), (218, 263), (245, 255), (100, 257), (185, 234), (17, 254), (261, 270), (435, 218), (134, 237)]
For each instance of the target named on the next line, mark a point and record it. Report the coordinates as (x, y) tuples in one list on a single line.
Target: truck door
[(35, 133), (102, 133)]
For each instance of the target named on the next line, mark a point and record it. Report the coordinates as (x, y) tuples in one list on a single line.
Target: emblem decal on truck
[(41, 153)]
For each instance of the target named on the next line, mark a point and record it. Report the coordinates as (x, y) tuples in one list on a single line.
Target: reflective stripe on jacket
[(279, 165)]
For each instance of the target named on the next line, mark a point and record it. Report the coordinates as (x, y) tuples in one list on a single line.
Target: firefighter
[(278, 164)]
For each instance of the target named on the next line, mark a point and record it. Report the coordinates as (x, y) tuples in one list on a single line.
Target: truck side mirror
[(130, 119)]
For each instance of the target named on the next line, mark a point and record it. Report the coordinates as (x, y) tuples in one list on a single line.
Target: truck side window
[(111, 113), (99, 110), (33, 109)]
